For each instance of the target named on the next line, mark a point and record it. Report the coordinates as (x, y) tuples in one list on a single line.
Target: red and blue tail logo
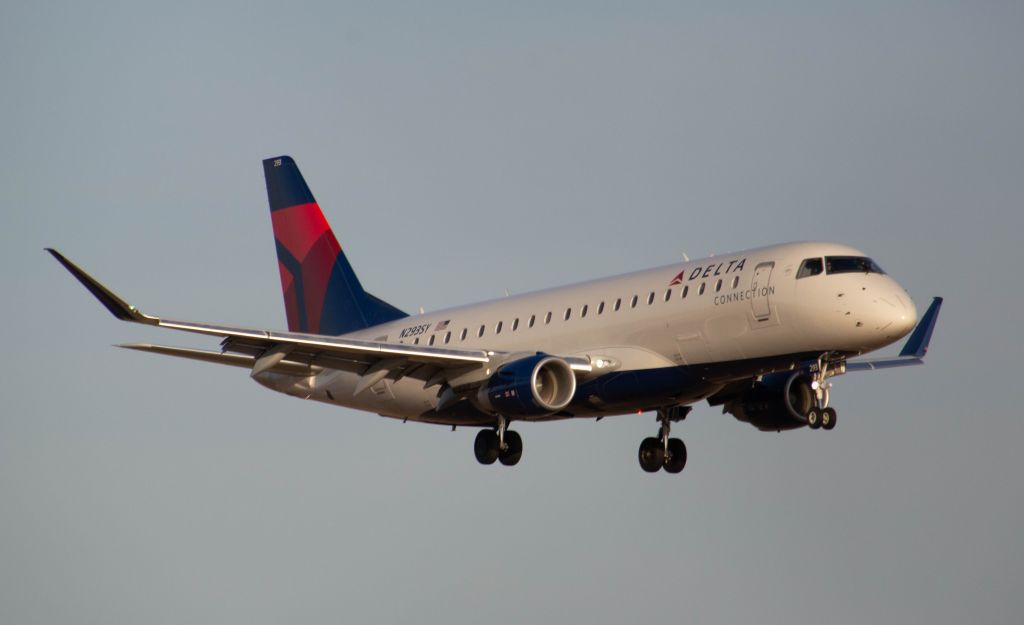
[(322, 294)]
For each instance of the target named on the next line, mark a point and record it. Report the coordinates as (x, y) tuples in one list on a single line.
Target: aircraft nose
[(897, 314), (908, 318)]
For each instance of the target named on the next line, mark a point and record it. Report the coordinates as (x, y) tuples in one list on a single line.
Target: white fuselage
[(731, 314)]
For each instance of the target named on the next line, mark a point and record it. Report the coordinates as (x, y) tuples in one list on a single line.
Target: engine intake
[(534, 386)]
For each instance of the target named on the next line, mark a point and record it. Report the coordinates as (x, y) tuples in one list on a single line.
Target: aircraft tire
[(513, 449), (676, 458), (486, 446), (814, 418), (828, 418), (651, 455)]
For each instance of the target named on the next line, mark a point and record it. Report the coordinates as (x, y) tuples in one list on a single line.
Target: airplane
[(760, 332)]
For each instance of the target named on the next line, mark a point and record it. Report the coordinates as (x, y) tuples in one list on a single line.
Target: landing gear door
[(760, 288)]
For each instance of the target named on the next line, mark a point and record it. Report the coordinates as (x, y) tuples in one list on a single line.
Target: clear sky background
[(460, 149)]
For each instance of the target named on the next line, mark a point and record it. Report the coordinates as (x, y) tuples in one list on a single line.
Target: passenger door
[(760, 288)]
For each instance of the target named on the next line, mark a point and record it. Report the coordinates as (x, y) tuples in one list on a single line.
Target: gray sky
[(460, 150)]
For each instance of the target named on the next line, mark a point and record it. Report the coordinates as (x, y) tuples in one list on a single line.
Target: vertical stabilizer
[(322, 294)]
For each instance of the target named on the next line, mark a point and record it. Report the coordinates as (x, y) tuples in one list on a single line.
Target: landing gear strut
[(661, 451), (498, 444), (820, 415)]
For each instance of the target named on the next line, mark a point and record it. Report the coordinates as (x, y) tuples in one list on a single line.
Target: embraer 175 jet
[(759, 332)]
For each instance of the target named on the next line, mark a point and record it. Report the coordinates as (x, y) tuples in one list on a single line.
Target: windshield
[(851, 264)]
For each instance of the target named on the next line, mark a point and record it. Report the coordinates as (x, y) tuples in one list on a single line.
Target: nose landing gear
[(663, 452), (820, 415)]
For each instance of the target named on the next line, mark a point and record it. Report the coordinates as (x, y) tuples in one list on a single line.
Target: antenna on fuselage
[(686, 258)]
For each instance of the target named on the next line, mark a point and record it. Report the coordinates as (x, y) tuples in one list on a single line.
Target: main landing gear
[(498, 444), (820, 415), (661, 451), (821, 418)]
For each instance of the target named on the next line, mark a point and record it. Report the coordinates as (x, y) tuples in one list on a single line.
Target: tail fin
[(322, 294)]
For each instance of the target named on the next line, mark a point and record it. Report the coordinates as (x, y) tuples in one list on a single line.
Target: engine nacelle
[(780, 401), (534, 386)]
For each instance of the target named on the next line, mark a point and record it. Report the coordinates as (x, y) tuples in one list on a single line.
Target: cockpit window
[(851, 264), (810, 267)]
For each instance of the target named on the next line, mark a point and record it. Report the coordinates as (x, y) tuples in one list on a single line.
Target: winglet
[(117, 306), (917, 344)]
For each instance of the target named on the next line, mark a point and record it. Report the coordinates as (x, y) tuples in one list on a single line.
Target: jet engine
[(535, 386), (780, 401)]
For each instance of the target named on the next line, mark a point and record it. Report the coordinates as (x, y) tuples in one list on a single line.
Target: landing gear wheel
[(828, 418), (814, 418), (652, 455), (676, 458), (486, 446), (513, 449)]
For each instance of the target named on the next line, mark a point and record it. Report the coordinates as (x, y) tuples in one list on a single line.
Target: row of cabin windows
[(583, 312)]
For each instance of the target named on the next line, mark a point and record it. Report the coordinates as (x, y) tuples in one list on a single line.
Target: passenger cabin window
[(533, 318), (497, 328), (718, 285), (632, 302), (515, 324), (583, 311), (568, 313), (700, 291), (465, 331), (735, 281), (850, 264), (618, 304), (668, 295), (447, 337), (480, 332), (547, 318), (810, 267), (650, 298), (600, 308), (686, 291)]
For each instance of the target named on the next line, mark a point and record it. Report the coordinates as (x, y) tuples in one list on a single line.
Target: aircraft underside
[(669, 392)]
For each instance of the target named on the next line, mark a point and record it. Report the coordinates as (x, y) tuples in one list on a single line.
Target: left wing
[(291, 352)]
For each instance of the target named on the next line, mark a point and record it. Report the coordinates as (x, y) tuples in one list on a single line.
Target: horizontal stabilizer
[(220, 358)]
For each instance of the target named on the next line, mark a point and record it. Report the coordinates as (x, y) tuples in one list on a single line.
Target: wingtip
[(919, 341), (117, 306)]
